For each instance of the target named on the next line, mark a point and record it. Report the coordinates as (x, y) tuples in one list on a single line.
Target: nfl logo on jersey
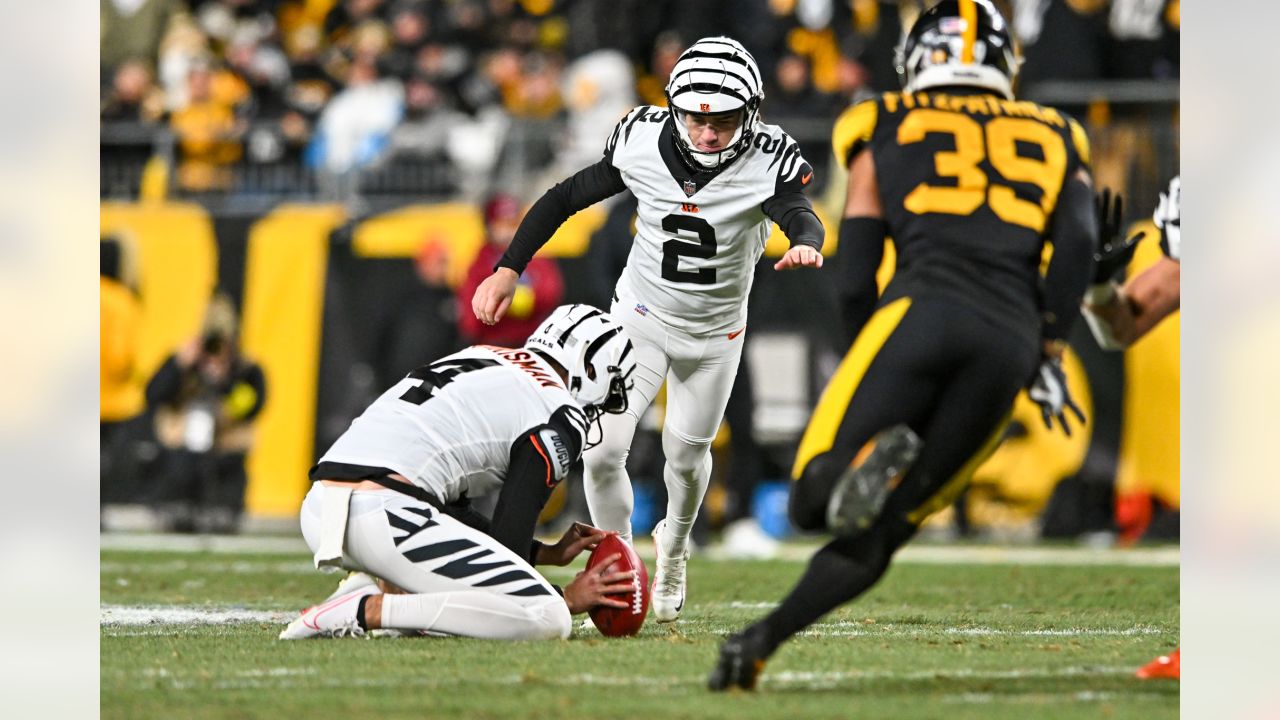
[(690, 187)]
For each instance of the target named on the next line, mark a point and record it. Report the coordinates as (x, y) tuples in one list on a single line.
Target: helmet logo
[(704, 107)]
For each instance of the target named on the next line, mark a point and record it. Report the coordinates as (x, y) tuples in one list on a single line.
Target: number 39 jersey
[(698, 241), (969, 184), (449, 426)]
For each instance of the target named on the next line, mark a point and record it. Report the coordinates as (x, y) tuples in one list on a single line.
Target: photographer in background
[(205, 397)]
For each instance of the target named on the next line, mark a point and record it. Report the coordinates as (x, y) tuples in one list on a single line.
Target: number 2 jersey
[(969, 184), (697, 243), (449, 427), (699, 233)]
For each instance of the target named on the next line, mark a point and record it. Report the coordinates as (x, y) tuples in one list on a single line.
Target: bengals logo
[(705, 107)]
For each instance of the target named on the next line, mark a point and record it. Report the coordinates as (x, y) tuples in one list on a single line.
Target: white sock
[(478, 614)]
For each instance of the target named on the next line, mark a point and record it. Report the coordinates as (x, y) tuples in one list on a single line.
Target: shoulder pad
[(853, 130)]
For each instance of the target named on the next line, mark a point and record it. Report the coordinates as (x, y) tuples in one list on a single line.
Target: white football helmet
[(595, 353), (715, 75)]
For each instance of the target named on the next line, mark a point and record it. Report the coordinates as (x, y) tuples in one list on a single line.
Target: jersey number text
[(439, 374), (1000, 147), (674, 249)]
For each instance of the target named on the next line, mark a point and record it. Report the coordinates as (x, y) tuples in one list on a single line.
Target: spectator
[(652, 86), (424, 321), (133, 29), (133, 96), (539, 291), (354, 127), (205, 397), (424, 134), (208, 135), (119, 389)]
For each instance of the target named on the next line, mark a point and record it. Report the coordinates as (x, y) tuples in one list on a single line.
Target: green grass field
[(192, 635)]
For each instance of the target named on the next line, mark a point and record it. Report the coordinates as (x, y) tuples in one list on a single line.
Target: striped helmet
[(958, 42), (715, 75), (595, 353)]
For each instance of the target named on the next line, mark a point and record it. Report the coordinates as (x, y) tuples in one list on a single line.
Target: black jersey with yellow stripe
[(969, 183)]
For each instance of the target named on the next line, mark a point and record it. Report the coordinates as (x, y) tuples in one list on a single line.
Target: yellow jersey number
[(973, 188)]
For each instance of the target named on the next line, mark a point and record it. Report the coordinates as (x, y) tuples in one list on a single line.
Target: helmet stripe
[(599, 342), (724, 71), (969, 11), (564, 336), (735, 57), (709, 88)]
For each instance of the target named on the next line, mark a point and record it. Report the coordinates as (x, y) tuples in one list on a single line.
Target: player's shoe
[(353, 581), (745, 540), (862, 489), (1165, 667), (742, 658), (667, 596), (333, 618)]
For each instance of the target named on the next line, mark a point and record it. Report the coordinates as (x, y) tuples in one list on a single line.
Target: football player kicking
[(970, 183), (390, 498), (710, 179), (1119, 316)]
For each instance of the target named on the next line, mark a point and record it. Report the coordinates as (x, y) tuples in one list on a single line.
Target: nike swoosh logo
[(735, 334), (805, 180)]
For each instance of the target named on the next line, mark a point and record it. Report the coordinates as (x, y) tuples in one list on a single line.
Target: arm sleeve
[(857, 261), (582, 190), (164, 385), (793, 212), (1074, 232), (540, 459)]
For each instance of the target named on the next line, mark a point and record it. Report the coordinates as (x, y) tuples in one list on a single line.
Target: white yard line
[(133, 615), (798, 552)]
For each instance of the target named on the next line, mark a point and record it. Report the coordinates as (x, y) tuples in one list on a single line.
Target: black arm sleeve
[(1074, 232), (857, 261), (539, 460), (582, 190), (164, 385), (793, 212)]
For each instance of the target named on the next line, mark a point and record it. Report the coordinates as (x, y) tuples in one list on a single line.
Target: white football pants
[(462, 582), (699, 372)]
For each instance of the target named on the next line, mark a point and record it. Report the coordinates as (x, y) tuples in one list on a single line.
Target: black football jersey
[(969, 183)]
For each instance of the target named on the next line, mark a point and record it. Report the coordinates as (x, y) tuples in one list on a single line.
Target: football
[(617, 622)]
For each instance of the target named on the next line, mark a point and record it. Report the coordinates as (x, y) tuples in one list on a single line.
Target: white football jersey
[(449, 426), (696, 249)]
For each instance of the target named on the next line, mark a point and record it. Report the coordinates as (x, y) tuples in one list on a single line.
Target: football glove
[(1168, 217), (1114, 251), (1049, 391)]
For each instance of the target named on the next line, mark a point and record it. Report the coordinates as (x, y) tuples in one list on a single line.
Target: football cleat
[(354, 580), (667, 594), (333, 618), (1165, 667), (862, 489), (742, 658)]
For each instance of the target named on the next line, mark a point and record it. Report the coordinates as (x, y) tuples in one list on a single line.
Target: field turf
[(192, 634)]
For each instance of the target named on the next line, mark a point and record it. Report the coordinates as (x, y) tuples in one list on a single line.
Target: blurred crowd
[(502, 91)]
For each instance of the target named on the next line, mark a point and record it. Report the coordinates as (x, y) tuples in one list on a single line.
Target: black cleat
[(742, 659), (862, 489)]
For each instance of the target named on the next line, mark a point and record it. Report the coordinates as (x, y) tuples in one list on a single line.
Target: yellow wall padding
[(281, 329), (460, 227), (1150, 440), (177, 269)]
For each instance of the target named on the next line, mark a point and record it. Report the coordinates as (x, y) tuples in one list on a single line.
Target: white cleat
[(353, 581), (745, 540), (335, 617), (668, 579)]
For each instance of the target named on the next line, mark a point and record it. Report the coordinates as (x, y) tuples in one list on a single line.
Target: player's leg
[(960, 433), (888, 379), (457, 580), (698, 387), (610, 498)]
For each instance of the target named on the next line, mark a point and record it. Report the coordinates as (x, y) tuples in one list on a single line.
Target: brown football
[(617, 622)]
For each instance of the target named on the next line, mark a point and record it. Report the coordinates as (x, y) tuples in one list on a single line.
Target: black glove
[(1114, 253), (1049, 391)]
